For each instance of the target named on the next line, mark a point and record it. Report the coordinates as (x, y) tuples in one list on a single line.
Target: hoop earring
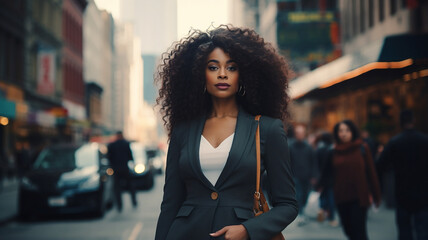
[(241, 91), (205, 90)]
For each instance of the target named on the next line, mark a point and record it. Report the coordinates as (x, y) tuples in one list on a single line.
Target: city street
[(140, 223)]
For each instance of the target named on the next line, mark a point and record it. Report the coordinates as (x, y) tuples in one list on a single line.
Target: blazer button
[(214, 196)]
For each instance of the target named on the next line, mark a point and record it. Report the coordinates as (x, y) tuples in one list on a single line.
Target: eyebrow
[(216, 61)]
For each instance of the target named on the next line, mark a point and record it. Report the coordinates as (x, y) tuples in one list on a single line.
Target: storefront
[(371, 94)]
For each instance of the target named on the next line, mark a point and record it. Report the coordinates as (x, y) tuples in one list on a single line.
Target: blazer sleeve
[(174, 189), (279, 174)]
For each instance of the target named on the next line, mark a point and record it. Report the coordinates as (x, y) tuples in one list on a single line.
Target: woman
[(212, 85), (354, 180)]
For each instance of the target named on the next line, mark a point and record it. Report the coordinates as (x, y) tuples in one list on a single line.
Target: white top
[(213, 159)]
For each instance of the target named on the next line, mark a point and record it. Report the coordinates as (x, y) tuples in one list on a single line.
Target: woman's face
[(222, 75), (345, 134)]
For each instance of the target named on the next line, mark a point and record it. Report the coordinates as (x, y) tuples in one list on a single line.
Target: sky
[(111, 6), (199, 14)]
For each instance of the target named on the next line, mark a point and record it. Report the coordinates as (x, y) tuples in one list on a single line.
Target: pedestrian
[(303, 163), (212, 85), (327, 206), (407, 155), (119, 154), (351, 172), (371, 143)]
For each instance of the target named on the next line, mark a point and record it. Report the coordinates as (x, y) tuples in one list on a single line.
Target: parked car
[(158, 159), (141, 169), (67, 179)]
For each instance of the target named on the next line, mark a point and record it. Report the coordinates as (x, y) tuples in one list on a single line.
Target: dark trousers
[(302, 192), (412, 225), (353, 218), (121, 180)]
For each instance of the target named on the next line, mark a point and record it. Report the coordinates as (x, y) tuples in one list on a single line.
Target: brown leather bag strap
[(258, 155)]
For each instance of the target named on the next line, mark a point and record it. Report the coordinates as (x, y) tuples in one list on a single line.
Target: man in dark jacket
[(407, 153), (303, 163), (119, 153)]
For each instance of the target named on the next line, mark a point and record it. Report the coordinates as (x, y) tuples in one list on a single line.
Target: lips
[(222, 86)]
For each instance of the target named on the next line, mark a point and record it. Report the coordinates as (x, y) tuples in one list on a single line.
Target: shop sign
[(307, 17), (45, 119), (46, 72)]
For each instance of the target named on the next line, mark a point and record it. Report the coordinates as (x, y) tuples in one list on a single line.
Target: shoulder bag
[(260, 204)]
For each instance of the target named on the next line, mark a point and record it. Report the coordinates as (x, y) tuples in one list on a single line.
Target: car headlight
[(27, 184), (139, 168), (91, 183)]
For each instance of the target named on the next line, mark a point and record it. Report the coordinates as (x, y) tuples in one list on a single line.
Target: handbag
[(260, 204)]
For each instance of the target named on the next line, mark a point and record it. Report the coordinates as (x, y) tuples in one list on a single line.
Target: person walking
[(407, 155), (213, 84), (351, 172), (119, 153), (303, 163), (327, 206)]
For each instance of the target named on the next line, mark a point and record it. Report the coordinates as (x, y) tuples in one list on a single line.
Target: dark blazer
[(119, 153), (407, 154), (192, 207)]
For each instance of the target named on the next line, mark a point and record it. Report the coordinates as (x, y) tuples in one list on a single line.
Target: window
[(371, 14), (362, 16), (354, 18), (393, 6), (381, 10), (403, 3)]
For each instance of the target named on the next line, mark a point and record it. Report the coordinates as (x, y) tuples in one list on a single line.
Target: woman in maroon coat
[(351, 172)]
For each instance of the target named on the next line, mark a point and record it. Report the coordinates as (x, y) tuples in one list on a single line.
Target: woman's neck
[(224, 108)]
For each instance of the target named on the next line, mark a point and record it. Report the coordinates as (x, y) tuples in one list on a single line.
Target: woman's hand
[(233, 232)]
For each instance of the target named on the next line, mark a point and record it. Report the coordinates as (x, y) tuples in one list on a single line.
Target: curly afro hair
[(262, 72)]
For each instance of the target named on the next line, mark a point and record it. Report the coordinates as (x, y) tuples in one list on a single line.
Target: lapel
[(243, 139)]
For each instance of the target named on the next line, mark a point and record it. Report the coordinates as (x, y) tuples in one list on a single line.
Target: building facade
[(98, 52), (155, 38), (72, 64), (43, 83), (260, 15), (12, 62), (120, 87), (384, 70)]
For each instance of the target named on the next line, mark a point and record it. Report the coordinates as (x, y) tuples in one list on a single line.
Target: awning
[(7, 108), (393, 52)]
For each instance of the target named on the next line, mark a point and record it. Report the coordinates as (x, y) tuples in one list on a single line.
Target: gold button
[(214, 196)]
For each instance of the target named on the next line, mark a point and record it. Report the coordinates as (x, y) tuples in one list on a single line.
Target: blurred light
[(103, 149), (4, 121), (407, 77), (139, 168), (109, 171), (366, 68), (423, 73)]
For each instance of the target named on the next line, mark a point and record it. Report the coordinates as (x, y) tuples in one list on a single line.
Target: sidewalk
[(8, 199), (380, 225)]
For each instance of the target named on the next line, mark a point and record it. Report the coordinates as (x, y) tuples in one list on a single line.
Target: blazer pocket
[(185, 211), (242, 213)]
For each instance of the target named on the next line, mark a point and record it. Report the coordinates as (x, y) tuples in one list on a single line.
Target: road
[(140, 224), (130, 224)]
